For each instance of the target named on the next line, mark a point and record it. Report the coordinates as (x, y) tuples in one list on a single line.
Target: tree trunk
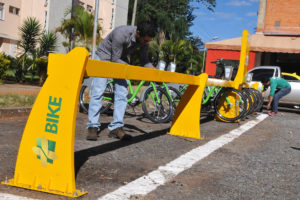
[(162, 37)]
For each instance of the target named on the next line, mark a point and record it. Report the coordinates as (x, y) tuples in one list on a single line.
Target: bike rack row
[(45, 160)]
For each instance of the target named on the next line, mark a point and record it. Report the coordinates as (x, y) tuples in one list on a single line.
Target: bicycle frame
[(215, 89), (135, 92)]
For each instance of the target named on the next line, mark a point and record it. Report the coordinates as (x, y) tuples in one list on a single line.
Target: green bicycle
[(157, 102)]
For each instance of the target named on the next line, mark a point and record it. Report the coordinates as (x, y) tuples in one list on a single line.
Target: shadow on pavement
[(83, 155), (290, 110)]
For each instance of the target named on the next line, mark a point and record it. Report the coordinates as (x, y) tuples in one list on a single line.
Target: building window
[(112, 2), (14, 10), (277, 24), (46, 3), (2, 11), (89, 8), (112, 18)]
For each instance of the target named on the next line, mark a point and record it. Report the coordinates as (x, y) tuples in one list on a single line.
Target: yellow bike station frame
[(45, 160)]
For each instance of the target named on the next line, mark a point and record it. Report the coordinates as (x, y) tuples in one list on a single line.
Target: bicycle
[(157, 103), (220, 100)]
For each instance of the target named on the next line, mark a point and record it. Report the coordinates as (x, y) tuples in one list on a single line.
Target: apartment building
[(50, 13), (276, 41)]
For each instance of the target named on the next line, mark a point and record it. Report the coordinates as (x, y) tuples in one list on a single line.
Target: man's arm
[(144, 57), (269, 102), (273, 86), (118, 40)]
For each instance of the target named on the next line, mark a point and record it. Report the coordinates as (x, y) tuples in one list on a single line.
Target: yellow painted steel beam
[(46, 155), (219, 83), (241, 75), (115, 70), (239, 81), (45, 160), (186, 121)]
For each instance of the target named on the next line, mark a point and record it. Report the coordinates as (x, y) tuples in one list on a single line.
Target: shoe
[(92, 133), (272, 113), (119, 133)]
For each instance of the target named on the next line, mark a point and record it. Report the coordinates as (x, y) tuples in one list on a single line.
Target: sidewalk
[(16, 88)]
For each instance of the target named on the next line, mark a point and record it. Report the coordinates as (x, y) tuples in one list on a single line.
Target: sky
[(228, 20)]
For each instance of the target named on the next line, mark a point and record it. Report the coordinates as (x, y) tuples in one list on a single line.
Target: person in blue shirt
[(117, 47), (283, 87)]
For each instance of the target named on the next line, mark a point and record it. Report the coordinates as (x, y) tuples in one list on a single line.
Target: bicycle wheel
[(260, 100), (249, 102), (230, 105), (158, 109), (84, 98), (254, 98)]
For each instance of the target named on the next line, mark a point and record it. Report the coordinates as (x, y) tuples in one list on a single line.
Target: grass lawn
[(15, 100)]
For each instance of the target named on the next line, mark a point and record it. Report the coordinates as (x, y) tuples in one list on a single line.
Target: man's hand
[(268, 107)]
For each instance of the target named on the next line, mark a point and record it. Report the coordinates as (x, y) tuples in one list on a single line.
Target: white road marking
[(4, 196), (163, 174)]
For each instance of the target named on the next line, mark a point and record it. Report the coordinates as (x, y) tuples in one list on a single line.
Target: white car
[(293, 98)]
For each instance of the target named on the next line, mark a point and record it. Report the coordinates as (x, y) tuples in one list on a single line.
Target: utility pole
[(95, 29), (133, 13), (203, 65), (72, 31)]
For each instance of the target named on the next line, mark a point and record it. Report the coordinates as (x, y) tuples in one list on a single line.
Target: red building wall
[(213, 55)]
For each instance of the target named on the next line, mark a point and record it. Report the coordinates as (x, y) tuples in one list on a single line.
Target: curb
[(14, 112)]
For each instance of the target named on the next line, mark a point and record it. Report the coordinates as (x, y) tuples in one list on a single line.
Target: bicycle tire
[(255, 99), (157, 112), (84, 99), (220, 104), (260, 100), (249, 100)]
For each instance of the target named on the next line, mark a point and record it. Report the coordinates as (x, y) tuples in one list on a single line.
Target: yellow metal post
[(46, 155), (240, 79), (186, 120), (241, 76)]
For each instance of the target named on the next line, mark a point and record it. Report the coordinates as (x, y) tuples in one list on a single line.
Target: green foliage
[(13, 100), (174, 41), (35, 44), (183, 53), (30, 31), (83, 24), (47, 43), (4, 65), (173, 18), (41, 64)]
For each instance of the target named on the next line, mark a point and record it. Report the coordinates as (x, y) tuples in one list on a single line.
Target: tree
[(173, 18), (47, 43), (34, 45), (30, 31), (83, 24)]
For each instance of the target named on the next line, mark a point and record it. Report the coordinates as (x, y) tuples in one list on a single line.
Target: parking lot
[(258, 158)]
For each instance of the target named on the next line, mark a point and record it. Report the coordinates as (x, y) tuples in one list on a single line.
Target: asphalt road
[(262, 163)]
